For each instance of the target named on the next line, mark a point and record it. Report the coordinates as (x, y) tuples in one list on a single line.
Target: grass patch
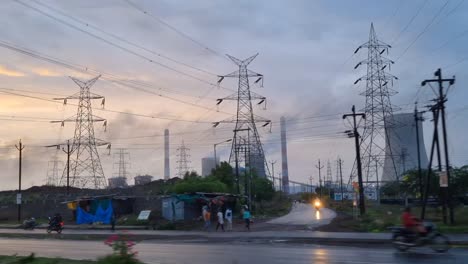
[(379, 217), (32, 259)]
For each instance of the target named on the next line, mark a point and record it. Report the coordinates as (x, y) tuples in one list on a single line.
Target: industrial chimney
[(167, 171)]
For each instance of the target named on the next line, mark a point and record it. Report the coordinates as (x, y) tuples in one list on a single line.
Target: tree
[(262, 189), (191, 175), (224, 173)]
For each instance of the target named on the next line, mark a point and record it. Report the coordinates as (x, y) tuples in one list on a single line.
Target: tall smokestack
[(284, 156), (167, 171)]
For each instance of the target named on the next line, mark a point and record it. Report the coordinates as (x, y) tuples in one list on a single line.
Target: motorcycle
[(55, 225), (29, 224), (403, 239), (317, 205)]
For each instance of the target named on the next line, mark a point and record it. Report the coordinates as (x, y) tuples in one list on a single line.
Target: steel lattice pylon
[(329, 178), (378, 108), (183, 155), (85, 166), (245, 131)]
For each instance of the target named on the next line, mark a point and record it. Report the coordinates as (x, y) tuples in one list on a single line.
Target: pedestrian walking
[(228, 218), (247, 217), (220, 220), (207, 218)]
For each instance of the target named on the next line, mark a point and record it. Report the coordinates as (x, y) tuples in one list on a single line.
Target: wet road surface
[(305, 214), (165, 253)]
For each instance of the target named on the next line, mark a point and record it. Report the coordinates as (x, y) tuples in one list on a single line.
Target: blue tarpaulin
[(101, 215)]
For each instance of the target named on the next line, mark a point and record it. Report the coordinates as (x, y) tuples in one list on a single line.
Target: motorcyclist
[(56, 220), (411, 223)]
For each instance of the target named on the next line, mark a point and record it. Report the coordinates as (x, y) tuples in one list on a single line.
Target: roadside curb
[(217, 239)]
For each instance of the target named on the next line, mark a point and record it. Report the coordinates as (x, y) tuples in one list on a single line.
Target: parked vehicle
[(55, 224), (403, 239), (29, 224)]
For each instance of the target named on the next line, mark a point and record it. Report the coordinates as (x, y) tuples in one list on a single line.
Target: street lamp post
[(214, 147)]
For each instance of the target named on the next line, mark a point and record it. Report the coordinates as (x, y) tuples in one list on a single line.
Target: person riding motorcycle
[(411, 223), (56, 220)]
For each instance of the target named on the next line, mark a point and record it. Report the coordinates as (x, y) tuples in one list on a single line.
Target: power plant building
[(143, 179), (402, 146), (208, 164)]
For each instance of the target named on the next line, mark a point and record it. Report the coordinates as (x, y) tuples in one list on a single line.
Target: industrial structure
[(406, 152), (183, 155), (143, 179), (378, 110), (245, 130), (208, 164), (284, 157), (121, 157), (85, 166), (54, 166), (167, 165)]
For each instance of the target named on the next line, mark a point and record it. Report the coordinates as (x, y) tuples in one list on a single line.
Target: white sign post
[(18, 198), (443, 180), (144, 215)]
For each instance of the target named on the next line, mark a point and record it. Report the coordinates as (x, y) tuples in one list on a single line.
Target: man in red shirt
[(411, 223)]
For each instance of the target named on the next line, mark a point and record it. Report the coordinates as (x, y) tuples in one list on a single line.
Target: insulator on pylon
[(103, 102), (62, 124), (65, 101), (382, 51), (219, 101), (105, 125), (215, 124), (221, 78)]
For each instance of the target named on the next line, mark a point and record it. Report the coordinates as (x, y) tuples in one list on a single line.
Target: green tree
[(199, 184), (262, 189), (224, 173), (191, 175)]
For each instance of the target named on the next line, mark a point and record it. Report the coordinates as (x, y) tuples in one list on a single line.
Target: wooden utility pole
[(355, 134), (320, 167), (442, 98), (20, 148), (340, 163)]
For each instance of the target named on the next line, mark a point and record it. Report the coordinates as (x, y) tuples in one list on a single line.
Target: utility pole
[(69, 151), (320, 167), (340, 163), (18, 196), (355, 134), (311, 179), (418, 118), (442, 98), (273, 170)]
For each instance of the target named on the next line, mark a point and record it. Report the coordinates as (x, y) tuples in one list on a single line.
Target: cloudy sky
[(160, 61)]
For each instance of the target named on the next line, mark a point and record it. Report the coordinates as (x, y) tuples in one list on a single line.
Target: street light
[(214, 146)]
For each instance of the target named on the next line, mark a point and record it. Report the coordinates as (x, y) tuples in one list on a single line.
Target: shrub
[(122, 245)]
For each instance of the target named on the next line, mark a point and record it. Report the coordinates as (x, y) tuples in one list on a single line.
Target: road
[(305, 214), (152, 252)]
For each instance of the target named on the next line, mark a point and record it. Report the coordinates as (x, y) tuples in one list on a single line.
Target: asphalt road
[(160, 253), (305, 214)]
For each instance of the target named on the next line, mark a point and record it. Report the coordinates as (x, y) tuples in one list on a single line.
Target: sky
[(168, 55)]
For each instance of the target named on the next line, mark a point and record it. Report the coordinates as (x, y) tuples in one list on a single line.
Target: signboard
[(18, 198), (144, 215), (338, 197), (443, 180)]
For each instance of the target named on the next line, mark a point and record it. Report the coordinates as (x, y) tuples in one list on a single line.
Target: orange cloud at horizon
[(8, 72), (45, 72)]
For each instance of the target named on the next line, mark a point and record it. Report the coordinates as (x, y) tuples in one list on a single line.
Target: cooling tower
[(167, 171), (402, 146), (284, 157)]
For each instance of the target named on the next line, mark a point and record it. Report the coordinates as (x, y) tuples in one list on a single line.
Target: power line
[(159, 20), (410, 22), (121, 38), (425, 29), (117, 46), (106, 76)]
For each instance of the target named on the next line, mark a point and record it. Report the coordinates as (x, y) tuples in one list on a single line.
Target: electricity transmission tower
[(245, 120), (183, 160), (122, 163), (329, 178), (378, 109), (85, 165), (53, 171)]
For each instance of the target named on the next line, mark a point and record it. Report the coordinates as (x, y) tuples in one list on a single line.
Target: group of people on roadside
[(225, 217)]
